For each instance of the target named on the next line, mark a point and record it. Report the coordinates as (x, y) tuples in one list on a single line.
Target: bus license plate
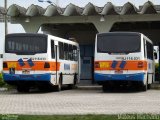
[(119, 71), (25, 72)]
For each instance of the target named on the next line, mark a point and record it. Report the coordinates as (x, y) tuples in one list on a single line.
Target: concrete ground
[(79, 101)]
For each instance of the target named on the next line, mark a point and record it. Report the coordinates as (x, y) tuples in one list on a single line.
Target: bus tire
[(144, 87), (21, 88), (149, 86), (104, 87)]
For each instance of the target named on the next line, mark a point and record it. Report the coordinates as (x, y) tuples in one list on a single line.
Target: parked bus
[(124, 58), (40, 59)]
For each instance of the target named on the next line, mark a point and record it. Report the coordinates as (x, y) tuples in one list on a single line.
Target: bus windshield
[(118, 43), (28, 44)]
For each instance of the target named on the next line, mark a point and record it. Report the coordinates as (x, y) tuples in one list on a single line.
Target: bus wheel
[(104, 87), (149, 86), (59, 86), (144, 88), (21, 88)]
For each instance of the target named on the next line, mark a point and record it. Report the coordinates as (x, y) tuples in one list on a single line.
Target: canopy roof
[(73, 10)]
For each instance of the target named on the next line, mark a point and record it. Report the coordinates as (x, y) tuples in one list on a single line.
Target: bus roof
[(62, 40), (120, 33)]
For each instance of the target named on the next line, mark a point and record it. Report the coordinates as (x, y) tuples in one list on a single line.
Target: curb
[(89, 87), (155, 86), (3, 89)]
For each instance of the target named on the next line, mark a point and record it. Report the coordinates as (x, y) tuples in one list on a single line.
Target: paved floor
[(80, 102)]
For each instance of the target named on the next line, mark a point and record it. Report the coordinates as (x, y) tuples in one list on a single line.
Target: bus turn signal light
[(5, 65), (97, 65), (140, 65)]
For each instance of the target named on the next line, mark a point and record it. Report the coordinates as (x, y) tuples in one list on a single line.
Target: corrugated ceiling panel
[(35, 10), (109, 9), (2, 10), (148, 8), (90, 9), (52, 11), (73, 10), (129, 8), (15, 10)]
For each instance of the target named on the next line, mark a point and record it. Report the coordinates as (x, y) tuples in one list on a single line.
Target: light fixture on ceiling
[(27, 20), (102, 19)]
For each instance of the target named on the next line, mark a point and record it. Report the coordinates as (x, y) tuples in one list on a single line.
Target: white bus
[(40, 59), (124, 58)]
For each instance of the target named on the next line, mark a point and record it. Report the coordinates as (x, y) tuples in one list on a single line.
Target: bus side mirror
[(155, 55)]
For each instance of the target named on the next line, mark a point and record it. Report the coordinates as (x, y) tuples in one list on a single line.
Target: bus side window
[(52, 49), (65, 51), (61, 50), (144, 42), (70, 52), (1, 55), (149, 50), (75, 56)]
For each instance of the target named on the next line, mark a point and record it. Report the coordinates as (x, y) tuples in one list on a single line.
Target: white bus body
[(31, 59), (123, 57)]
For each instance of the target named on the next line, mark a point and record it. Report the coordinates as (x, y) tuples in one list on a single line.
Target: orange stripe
[(38, 65), (130, 65)]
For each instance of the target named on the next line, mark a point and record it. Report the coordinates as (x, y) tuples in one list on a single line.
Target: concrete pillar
[(30, 24), (103, 26), (31, 28)]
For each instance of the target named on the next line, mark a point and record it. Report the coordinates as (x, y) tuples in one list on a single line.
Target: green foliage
[(157, 76), (60, 117), (2, 83), (156, 67), (82, 117)]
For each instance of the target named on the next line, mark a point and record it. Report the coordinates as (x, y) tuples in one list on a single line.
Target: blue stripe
[(129, 77), (33, 77), (21, 62), (123, 64), (114, 64), (30, 62)]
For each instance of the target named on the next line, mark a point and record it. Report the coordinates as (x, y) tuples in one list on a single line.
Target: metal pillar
[(5, 18)]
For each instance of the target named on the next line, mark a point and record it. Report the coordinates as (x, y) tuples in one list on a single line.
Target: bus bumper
[(32, 77), (119, 77)]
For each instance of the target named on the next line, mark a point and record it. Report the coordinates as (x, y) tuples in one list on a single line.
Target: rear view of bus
[(123, 58), (23, 60), (33, 60)]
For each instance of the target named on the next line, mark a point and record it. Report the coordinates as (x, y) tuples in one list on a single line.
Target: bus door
[(56, 58), (86, 68), (54, 45)]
